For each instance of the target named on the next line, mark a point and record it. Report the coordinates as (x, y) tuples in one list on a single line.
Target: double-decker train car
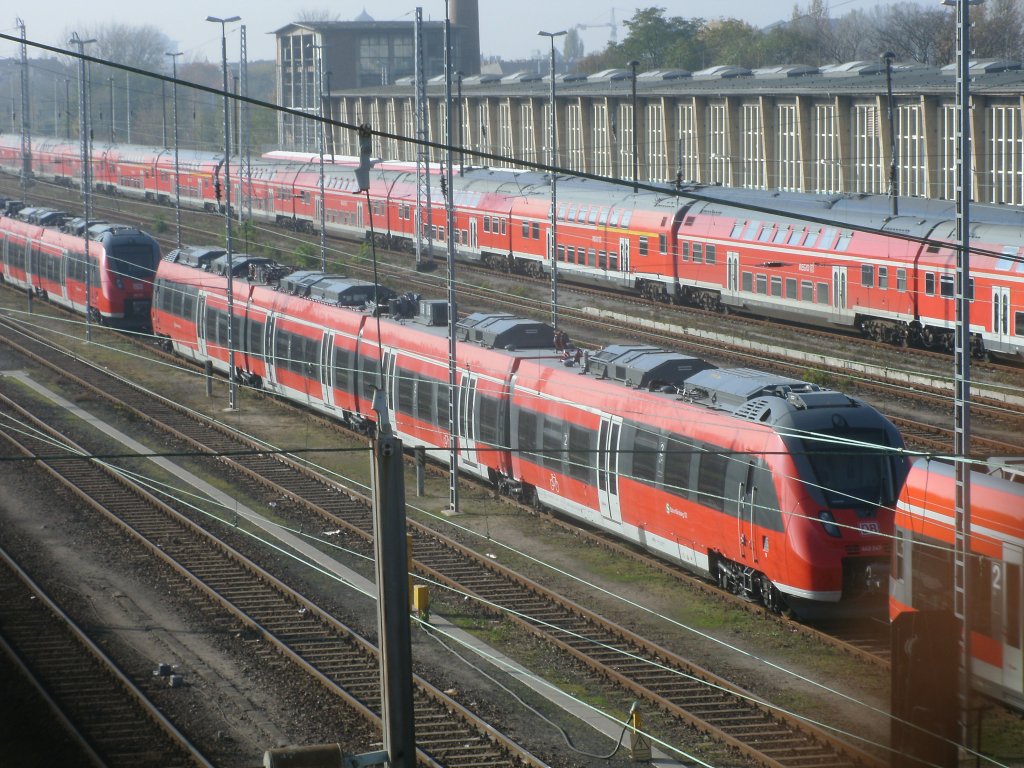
[(775, 488), (922, 574), (892, 277), (52, 263)]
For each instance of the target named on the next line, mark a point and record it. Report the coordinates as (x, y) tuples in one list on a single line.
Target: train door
[(327, 369), (608, 468), (391, 385), (745, 499), (732, 268), (473, 241), (268, 348), (201, 326), (838, 291), (624, 254), (1013, 616), (1001, 313), (467, 421)]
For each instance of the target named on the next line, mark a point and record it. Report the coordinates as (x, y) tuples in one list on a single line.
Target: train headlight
[(829, 524)]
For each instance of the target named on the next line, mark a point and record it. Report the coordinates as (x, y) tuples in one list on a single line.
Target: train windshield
[(850, 470), (135, 261)]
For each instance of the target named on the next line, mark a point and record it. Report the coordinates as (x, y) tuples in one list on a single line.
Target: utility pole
[(391, 564), (553, 174), (453, 312), (177, 177), (26, 136), (894, 192), (83, 130), (423, 215)]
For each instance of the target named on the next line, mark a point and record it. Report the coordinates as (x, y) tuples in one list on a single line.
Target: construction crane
[(611, 24)]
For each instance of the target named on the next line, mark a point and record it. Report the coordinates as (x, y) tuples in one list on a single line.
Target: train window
[(581, 217), (487, 223), (592, 257), (776, 286), (947, 286), (822, 293), (883, 278), (527, 433), (552, 434), (441, 403), (766, 234), (440, 233), (711, 480), (709, 254), (526, 229), (643, 246), (844, 241), (627, 217), (867, 276), (929, 284), (796, 235), (561, 212), (737, 230), (613, 260), (812, 235), (762, 284), (488, 421), (592, 217), (748, 281), (581, 452), (254, 337), (602, 260), (406, 391), (561, 252), (806, 290), (686, 250), (1005, 262), (1018, 323), (536, 231), (662, 243), (603, 218), (781, 235), (986, 594), (901, 280), (571, 215), (790, 287), (464, 238), (752, 227), (645, 456), (369, 368), (827, 236), (570, 254), (503, 226), (425, 394), (698, 253), (679, 458)]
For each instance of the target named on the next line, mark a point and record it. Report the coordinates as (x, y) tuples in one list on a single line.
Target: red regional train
[(51, 262), (778, 489), (921, 578), (698, 245)]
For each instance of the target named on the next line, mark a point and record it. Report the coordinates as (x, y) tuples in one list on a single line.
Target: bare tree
[(998, 29), (915, 33), (137, 46), (573, 49)]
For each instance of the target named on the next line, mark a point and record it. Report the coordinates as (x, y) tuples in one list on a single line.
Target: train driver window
[(929, 283)]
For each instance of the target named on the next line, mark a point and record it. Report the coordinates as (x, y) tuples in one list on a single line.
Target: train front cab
[(921, 578)]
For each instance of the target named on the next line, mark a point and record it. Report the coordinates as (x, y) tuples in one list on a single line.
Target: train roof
[(505, 331), (644, 367)]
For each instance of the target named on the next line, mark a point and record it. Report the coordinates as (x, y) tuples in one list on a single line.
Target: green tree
[(658, 42), (573, 49), (733, 41)]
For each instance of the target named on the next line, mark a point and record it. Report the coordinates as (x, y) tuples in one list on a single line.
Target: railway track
[(347, 665), (689, 694), (113, 722)]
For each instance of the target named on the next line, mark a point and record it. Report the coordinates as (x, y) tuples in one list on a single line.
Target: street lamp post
[(83, 130), (636, 160), (232, 382), (174, 119), (553, 162)]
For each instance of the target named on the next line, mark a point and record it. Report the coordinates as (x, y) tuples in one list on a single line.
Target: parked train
[(44, 251), (922, 572), (778, 489), (700, 245)]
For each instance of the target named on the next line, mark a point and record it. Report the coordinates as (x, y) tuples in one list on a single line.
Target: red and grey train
[(51, 261), (774, 487), (700, 245), (921, 578)]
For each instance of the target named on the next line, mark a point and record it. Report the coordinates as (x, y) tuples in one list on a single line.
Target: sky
[(502, 33)]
